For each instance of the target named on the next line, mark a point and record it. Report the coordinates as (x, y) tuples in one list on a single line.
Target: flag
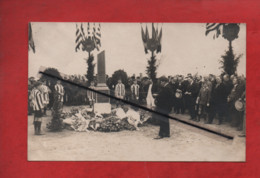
[(147, 33), (154, 36), (159, 48), (212, 27), (30, 40), (78, 38), (97, 36), (156, 32), (144, 38), (82, 30)]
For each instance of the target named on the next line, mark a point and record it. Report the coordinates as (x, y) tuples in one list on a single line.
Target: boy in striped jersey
[(38, 107), (135, 91), (45, 93), (59, 91), (120, 91)]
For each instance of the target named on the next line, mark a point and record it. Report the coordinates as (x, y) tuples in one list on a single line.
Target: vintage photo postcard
[(136, 91)]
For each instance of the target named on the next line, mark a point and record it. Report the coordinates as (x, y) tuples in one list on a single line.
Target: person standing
[(191, 95), (45, 92), (203, 101), (178, 96), (228, 87), (218, 101), (120, 90), (135, 92), (173, 85), (236, 93), (164, 106), (150, 98), (59, 90), (38, 107), (91, 95)]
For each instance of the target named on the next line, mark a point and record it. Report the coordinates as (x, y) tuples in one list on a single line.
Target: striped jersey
[(37, 99), (59, 88), (120, 90), (135, 89)]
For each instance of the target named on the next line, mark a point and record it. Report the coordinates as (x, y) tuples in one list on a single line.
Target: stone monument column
[(102, 104)]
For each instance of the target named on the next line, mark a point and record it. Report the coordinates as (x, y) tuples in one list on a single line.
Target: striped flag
[(80, 36), (30, 40), (97, 36), (213, 27)]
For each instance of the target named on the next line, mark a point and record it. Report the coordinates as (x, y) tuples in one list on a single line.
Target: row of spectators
[(209, 97)]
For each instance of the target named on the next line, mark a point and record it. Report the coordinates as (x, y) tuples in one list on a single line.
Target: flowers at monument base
[(81, 120)]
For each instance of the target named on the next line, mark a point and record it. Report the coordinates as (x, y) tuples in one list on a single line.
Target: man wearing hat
[(233, 99), (164, 105), (38, 107), (191, 96)]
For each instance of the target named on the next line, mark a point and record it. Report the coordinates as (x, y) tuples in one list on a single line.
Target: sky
[(185, 49)]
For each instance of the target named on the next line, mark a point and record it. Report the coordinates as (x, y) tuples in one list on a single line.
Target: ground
[(185, 144)]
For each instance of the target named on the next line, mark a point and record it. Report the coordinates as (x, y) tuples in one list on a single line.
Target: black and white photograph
[(136, 91)]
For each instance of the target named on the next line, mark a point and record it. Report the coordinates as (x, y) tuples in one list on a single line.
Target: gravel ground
[(185, 144)]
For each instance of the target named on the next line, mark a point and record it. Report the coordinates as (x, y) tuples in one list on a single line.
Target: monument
[(102, 104)]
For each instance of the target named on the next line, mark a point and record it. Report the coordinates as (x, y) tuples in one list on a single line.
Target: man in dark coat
[(185, 84), (191, 96), (179, 96), (228, 87), (217, 101), (173, 86), (236, 93), (164, 105)]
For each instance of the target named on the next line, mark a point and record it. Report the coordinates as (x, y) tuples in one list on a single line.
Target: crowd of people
[(210, 97)]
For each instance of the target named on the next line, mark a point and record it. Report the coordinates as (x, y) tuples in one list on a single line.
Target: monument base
[(103, 108)]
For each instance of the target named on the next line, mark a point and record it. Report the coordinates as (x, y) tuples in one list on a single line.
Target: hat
[(163, 79), (240, 105)]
